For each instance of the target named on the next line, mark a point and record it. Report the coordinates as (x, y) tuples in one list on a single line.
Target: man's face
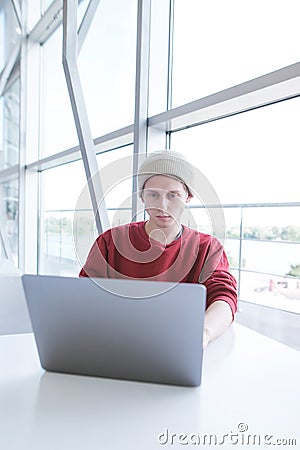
[(165, 199)]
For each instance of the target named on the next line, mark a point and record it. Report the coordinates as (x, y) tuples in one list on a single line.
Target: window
[(9, 126), (9, 214), (116, 173), (58, 127), (251, 157), (220, 44), (252, 161), (107, 66), (61, 188), (9, 32)]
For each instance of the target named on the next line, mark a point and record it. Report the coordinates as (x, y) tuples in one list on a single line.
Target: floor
[(283, 326)]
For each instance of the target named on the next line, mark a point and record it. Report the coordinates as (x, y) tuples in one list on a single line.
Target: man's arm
[(217, 319), (96, 263), (221, 289)]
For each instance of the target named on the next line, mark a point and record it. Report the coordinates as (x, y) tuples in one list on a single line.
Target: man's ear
[(188, 199)]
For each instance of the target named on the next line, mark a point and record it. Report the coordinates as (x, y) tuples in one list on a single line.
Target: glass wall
[(9, 160), (271, 256), (10, 126), (9, 215), (116, 175), (58, 130), (221, 44), (68, 226), (60, 190), (9, 32), (107, 66), (250, 158)]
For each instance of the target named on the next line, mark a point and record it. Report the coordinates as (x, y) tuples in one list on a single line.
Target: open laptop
[(128, 329)]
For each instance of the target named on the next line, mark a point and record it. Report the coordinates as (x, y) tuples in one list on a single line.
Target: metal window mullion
[(48, 23), (17, 10), (6, 72), (23, 241), (279, 85), (30, 80), (86, 22), (170, 66), (170, 55), (141, 95), (115, 139), (160, 70), (80, 114), (22, 237)]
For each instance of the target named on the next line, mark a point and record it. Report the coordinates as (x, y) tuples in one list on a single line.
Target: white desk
[(247, 379)]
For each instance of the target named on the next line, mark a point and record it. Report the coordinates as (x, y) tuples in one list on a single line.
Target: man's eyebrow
[(173, 191)]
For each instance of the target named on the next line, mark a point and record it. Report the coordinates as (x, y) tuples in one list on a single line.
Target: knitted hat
[(166, 162)]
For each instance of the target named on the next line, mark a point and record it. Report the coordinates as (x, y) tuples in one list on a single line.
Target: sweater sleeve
[(96, 262), (219, 282)]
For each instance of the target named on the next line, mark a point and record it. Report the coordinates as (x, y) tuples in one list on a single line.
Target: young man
[(162, 249)]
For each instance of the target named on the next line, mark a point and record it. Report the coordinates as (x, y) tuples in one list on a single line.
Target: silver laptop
[(128, 329)]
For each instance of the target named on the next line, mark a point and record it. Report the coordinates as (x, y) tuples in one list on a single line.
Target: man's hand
[(217, 319), (206, 338)]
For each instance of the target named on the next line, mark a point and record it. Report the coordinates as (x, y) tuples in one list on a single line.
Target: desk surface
[(249, 394)]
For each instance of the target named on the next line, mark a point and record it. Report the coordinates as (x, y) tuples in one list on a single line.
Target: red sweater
[(128, 252)]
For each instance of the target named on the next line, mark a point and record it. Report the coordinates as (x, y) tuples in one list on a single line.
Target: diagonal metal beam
[(9, 174), (6, 72), (48, 23), (80, 114), (275, 86), (86, 22), (17, 9)]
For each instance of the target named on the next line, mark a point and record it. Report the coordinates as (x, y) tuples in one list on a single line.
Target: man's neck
[(163, 235)]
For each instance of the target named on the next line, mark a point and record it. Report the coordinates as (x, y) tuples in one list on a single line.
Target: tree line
[(272, 233), (291, 233)]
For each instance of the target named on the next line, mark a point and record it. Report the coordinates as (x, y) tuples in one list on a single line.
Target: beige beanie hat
[(166, 162)]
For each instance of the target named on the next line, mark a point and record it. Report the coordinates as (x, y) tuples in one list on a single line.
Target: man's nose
[(163, 203)]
